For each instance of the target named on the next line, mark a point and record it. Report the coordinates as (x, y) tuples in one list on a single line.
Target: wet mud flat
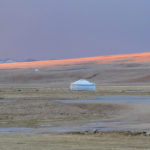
[(88, 127), (111, 99), (92, 127), (131, 121), (6, 101), (136, 119)]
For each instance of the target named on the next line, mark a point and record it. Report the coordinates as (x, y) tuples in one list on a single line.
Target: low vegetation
[(105, 141)]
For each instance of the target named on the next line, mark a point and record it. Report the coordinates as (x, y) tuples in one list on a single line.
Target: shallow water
[(15, 130), (115, 99), (6, 101), (87, 126), (103, 126), (20, 130)]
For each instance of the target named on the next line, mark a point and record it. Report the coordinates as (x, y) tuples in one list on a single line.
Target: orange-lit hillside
[(138, 57)]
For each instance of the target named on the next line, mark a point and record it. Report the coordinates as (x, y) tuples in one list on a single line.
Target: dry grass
[(47, 91), (35, 94), (33, 104), (102, 74), (111, 141)]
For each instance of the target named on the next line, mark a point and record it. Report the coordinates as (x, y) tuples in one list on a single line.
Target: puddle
[(104, 123), (6, 101), (15, 130), (115, 99), (86, 126)]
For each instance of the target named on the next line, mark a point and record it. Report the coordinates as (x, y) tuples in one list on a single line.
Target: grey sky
[(57, 29)]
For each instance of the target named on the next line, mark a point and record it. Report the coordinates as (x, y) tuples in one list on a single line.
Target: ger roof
[(82, 82)]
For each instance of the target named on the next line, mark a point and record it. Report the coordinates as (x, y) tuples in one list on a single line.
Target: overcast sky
[(58, 29)]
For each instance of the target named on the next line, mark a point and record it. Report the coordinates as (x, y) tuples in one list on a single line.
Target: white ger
[(36, 70), (82, 85)]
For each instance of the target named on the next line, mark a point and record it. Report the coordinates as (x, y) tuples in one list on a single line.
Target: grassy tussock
[(112, 141)]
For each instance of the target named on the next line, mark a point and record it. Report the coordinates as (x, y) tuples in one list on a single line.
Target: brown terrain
[(33, 96), (133, 69), (126, 58), (35, 92)]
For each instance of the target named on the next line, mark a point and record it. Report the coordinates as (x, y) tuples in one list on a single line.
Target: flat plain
[(32, 99)]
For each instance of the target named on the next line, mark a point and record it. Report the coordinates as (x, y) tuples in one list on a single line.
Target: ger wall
[(83, 87)]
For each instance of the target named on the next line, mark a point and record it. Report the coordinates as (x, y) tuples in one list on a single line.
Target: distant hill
[(29, 60), (13, 61), (7, 61), (112, 59)]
